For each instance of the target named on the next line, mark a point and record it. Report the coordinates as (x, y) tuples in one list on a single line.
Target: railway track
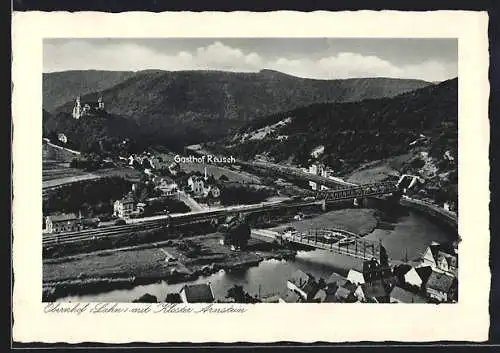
[(49, 240)]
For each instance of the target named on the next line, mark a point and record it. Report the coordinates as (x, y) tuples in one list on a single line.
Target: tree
[(239, 295)]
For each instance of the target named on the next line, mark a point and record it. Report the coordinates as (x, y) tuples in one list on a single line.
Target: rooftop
[(291, 297), (424, 272), (440, 281), (198, 293), (62, 217), (404, 296)]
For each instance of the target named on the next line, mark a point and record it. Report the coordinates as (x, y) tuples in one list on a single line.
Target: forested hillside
[(178, 108)]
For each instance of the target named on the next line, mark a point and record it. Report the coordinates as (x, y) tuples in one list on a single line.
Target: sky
[(319, 58)]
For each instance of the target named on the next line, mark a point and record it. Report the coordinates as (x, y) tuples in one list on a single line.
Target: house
[(125, 207), (424, 272), (214, 192), (168, 189), (290, 297), (321, 296), (355, 277), (375, 290), (441, 257), (271, 299), (197, 185), (442, 287), (335, 278), (197, 293), (62, 138), (304, 284), (447, 262), (400, 295), (61, 223), (141, 207), (406, 274), (174, 168), (83, 108)]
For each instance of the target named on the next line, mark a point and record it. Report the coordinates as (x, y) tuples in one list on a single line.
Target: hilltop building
[(84, 108)]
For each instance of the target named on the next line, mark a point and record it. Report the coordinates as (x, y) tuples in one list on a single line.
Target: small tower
[(100, 103), (77, 110)]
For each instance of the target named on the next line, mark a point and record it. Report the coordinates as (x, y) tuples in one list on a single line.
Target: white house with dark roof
[(124, 207), (407, 274), (67, 222), (441, 258)]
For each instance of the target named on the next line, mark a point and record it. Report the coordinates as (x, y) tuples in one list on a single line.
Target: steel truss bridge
[(336, 240), (339, 189)]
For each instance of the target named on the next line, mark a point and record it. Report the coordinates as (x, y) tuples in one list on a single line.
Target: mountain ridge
[(196, 106)]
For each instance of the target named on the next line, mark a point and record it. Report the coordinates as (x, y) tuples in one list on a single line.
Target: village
[(431, 280), (166, 188)]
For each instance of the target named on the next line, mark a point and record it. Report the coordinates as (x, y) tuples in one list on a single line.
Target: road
[(190, 202)]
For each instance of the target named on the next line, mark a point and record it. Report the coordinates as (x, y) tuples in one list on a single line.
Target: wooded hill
[(184, 107), (354, 133)]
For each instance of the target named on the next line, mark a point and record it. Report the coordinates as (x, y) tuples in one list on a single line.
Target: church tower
[(77, 110)]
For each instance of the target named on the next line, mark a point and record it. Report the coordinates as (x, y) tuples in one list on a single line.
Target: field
[(359, 221), (56, 173)]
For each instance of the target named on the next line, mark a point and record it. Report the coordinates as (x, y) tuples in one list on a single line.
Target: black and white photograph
[(250, 170)]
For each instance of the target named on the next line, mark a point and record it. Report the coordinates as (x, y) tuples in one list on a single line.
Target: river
[(410, 236)]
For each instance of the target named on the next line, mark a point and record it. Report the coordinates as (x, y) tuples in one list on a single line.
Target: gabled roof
[(440, 281), (300, 278), (62, 217), (291, 297), (405, 296), (401, 270), (342, 293), (305, 282), (335, 278), (198, 293), (424, 272), (451, 260), (355, 276)]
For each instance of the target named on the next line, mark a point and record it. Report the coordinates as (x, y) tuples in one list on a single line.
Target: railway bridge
[(335, 240)]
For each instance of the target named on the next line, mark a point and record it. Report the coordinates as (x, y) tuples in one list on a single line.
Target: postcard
[(250, 177)]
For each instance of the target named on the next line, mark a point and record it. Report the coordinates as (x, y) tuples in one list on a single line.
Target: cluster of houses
[(128, 206), (201, 187), (322, 170), (434, 279)]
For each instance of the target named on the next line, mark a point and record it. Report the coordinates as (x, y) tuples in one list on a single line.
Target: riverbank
[(179, 260), (361, 221), (169, 261)]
